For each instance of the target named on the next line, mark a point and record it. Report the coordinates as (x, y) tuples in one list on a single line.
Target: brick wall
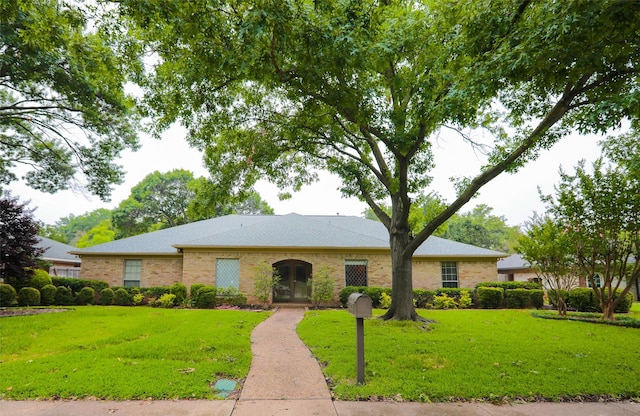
[(156, 270)]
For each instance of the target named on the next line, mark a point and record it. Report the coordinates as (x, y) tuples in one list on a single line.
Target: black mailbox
[(359, 305)]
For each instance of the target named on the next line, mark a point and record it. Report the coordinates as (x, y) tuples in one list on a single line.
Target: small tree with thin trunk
[(266, 279), (601, 214), (548, 249), (322, 287)]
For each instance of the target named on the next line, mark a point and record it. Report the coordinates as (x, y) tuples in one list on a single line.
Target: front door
[(294, 283)]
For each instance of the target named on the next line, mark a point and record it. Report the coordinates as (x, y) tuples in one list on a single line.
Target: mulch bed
[(28, 311)]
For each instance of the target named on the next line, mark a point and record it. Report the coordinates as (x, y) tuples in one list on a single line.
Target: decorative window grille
[(355, 273), (132, 273), (449, 273), (228, 273)]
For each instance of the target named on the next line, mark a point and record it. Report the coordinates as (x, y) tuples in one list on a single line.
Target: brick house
[(60, 262), (223, 252)]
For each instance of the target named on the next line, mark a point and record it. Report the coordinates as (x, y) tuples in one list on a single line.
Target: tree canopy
[(64, 115), (18, 240), (363, 88)]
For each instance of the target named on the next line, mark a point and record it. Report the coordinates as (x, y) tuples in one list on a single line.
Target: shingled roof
[(278, 231), (56, 251)]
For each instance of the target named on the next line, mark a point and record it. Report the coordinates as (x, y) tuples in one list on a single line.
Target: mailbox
[(359, 305)]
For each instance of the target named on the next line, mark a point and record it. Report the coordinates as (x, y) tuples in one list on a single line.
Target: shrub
[(385, 301), (193, 293), (106, 296), (206, 298), (536, 298), (180, 292), (552, 295), (511, 285), (344, 293), (168, 300), (156, 292), (64, 296), (86, 296), (444, 302), (490, 297), (29, 296), (122, 297), (138, 298), (375, 293), (456, 293), (48, 295), (231, 296), (516, 298), (265, 280), (8, 295), (40, 279), (423, 298), (625, 304), (465, 300), (76, 285), (582, 299), (322, 287)]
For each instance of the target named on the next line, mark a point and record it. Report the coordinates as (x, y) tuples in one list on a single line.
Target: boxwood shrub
[(552, 296), (524, 298), (122, 297), (180, 292), (28, 296), (107, 296), (206, 297), (86, 296), (64, 296), (584, 299), (40, 279), (511, 285), (423, 298), (48, 295), (76, 285), (8, 295), (375, 293), (193, 292), (490, 297)]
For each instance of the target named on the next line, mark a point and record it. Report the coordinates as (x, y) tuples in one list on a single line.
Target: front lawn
[(476, 354), (123, 352)]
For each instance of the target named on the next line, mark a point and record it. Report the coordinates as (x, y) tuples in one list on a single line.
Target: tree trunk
[(607, 311), (401, 268), (562, 306)]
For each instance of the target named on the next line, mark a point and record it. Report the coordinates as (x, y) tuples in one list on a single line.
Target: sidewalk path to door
[(285, 380)]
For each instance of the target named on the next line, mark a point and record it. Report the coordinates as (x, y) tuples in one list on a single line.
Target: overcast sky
[(513, 196)]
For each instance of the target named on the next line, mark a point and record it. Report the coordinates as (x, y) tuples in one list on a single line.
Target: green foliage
[(584, 299), (423, 298), (8, 295), (122, 297), (107, 296), (193, 292), (385, 301), (155, 292), (64, 107), (490, 297), (231, 296), (39, 279), (28, 296), (64, 296), (76, 285), (101, 233), (138, 298), (265, 280), (168, 300), (364, 90), (444, 302), (524, 298), (48, 295), (180, 292), (465, 300), (322, 285), (74, 227), (86, 296), (206, 298), (511, 285)]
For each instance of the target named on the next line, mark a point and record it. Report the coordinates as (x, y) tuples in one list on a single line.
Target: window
[(449, 273), (596, 280), (132, 273), (355, 273), (228, 273)]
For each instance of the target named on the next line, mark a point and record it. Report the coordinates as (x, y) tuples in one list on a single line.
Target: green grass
[(123, 353), (476, 354)]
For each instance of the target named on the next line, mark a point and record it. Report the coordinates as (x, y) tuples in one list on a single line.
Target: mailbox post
[(359, 305)]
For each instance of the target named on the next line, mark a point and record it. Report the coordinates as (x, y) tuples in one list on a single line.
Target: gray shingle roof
[(513, 262), (54, 250), (268, 231)]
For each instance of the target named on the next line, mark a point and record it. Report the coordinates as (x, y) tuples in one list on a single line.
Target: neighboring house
[(516, 269), (224, 251), (61, 262)]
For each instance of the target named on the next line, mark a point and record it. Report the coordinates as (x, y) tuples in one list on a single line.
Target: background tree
[(101, 233), (363, 88), (600, 211), (480, 228), (63, 109), (548, 248), (72, 228), (18, 241)]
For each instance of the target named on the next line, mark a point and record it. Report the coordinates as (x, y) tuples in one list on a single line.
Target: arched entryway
[(294, 283)]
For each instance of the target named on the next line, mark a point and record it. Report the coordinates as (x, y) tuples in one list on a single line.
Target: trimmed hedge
[(123, 297), (28, 296), (40, 279), (193, 292), (64, 296), (76, 285), (106, 296), (524, 298), (8, 295), (423, 298), (375, 293), (206, 297), (583, 299), (86, 296), (490, 297), (180, 292), (511, 285), (48, 295)]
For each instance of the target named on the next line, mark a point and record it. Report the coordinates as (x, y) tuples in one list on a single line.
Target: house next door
[(293, 287)]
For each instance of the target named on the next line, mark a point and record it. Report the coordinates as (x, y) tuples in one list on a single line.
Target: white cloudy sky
[(513, 196)]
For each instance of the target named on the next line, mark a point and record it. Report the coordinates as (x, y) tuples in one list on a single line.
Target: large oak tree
[(362, 88)]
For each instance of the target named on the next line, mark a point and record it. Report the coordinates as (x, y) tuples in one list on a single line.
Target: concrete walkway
[(285, 379)]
